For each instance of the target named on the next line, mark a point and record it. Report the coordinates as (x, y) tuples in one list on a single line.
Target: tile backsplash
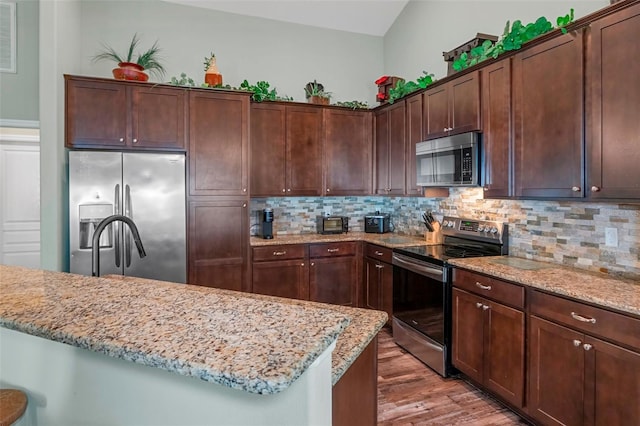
[(565, 232)]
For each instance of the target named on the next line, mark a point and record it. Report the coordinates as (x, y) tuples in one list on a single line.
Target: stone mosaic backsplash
[(564, 232)]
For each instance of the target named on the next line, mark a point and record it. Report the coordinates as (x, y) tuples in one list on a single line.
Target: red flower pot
[(129, 71)]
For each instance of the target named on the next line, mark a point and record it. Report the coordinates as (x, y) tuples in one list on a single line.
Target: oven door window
[(418, 301)]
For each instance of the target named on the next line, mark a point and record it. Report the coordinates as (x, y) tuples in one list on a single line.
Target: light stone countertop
[(600, 289), (390, 240), (256, 344)]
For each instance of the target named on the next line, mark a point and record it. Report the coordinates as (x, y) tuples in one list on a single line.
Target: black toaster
[(377, 223)]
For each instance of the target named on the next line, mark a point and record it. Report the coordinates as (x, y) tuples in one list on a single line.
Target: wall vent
[(7, 37)]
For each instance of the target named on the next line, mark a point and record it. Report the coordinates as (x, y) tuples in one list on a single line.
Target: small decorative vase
[(129, 71), (212, 76), (320, 100)]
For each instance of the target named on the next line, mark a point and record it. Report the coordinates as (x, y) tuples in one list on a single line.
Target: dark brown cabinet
[(548, 117), (453, 107), (218, 242), (488, 336), (333, 273), (218, 143), (281, 271), (377, 285), (575, 376), (116, 115), (390, 151), (286, 150), (613, 151), (414, 135), (496, 136), (347, 152)]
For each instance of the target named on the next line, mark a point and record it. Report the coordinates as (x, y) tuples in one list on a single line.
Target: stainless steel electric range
[(422, 287)]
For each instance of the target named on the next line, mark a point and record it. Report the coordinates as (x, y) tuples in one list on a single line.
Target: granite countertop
[(620, 294), (387, 240), (259, 345)]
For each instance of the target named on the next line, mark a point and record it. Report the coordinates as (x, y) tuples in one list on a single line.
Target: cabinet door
[(548, 117), (468, 341), (504, 352), (347, 153), (613, 151), (371, 294), (381, 173), (333, 280), (496, 137), (612, 384), (435, 103), (397, 150), (464, 103), (268, 149), (96, 114), (158, 118), (556, 373), (414, 135), (218, 243), (304, 151), (218, 143), (283, 278)]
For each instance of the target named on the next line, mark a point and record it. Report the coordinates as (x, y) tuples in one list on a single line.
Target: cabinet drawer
[(589, 319), (332, 249), (491, 288), (380, 253), (283, 252)]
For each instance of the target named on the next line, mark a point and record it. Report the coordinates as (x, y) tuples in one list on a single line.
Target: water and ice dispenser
[(90, 216)]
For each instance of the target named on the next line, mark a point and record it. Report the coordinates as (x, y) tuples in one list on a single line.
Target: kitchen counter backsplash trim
[(561, 232)]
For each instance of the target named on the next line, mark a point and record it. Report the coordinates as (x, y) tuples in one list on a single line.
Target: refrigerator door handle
[(127, 233), (116, 227)]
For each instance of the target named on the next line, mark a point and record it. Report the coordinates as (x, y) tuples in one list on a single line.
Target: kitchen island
[(121, 351)]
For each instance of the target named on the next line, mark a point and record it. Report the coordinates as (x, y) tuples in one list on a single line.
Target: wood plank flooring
[(410, 393)]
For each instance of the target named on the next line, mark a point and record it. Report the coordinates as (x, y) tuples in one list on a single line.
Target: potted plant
[(316, 94), (130, 68), (212, 76)]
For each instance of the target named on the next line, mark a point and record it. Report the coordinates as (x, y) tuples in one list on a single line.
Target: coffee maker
[(265, 223)]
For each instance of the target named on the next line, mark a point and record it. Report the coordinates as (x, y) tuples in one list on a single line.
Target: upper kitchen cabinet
[(347, 152), (453, 107), (121, 115), (414, 135), (390, 151), (548, 118), (286, 150), (496, 116), (613, 147), (218, 143)]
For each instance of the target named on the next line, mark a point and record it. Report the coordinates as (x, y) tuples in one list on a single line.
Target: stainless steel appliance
[(265, 223), (148, 188), (332, 224), (422, 287), (377, 223), (449, 161)]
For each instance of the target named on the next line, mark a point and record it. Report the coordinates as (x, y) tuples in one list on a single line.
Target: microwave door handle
[(116, 227)]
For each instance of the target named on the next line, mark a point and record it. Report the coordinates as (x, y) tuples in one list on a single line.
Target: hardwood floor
[(410, 393)]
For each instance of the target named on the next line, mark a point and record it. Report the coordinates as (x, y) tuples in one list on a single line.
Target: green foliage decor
[(403, 88), (148, 60), (353, 104), (513, 37), (261, 92)]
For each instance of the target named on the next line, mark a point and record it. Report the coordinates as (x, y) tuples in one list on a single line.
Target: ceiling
[(372, 17)]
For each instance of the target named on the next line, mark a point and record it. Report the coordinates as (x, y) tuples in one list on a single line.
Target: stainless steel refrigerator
[(149, 188)]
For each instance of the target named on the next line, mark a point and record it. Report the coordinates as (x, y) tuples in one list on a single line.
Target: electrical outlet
[(611, 237)]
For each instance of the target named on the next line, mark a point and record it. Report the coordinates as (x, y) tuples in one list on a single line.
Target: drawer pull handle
[(583, 319), (483, 287), (333, 250), (478, 305), (587, 346), (378, 253), (280, 253), (379, 266), (577, 343)]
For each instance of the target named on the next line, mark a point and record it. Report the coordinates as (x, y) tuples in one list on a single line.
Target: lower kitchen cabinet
[(333, 273), (281, 271), (488, 343), (377, 285), (576, 378), (218, 242)]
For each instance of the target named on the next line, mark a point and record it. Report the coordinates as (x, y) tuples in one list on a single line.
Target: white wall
[(287, 55), (425, 29)]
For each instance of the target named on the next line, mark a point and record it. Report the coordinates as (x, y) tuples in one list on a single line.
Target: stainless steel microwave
[(448, 161)]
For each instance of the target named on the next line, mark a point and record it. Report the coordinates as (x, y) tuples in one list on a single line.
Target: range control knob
[(494, 230), (445, 223), (451, 223), (480, 228)]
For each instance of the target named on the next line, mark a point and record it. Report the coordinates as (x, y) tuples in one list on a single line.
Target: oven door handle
[(418, 267)]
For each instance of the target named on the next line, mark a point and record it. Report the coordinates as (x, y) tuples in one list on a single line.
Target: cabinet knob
[(313, 264), (445, 129), (595, 188), (328, 190), (478, 305), (575, 189), (244, 189), (302, 264), (486, 188), (284, 190), (577, 343), (135, 140), (244, 204), (587, 346), (485, 307), (289, 190), (121, 139)]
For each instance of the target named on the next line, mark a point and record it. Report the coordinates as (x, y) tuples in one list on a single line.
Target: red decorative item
[(385, 83), (382, 80), (381, 97), (129, 71)]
